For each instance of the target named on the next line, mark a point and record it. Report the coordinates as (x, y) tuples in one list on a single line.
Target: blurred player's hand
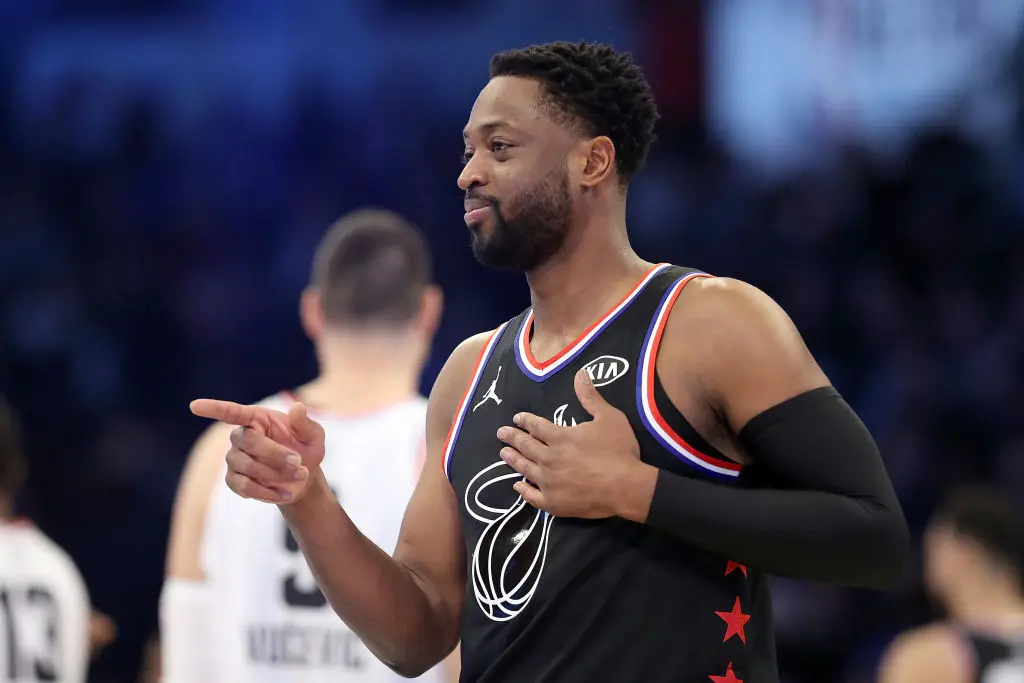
[(102, 631), (575, 471), (272, 453)]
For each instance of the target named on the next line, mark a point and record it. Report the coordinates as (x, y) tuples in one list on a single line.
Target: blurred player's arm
[(453, 665), (837, 518), (405, 608), (184, 601), (933, 654)]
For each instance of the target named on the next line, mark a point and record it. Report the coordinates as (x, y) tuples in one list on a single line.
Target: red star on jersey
[(736, 620), (729, 676), (731, 566)]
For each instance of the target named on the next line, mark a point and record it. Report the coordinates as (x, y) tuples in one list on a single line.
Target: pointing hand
[(272, 453)]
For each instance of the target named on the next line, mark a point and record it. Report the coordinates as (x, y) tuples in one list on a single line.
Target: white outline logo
[(517, 530), (604, 370), (509, 529), (559, 417)]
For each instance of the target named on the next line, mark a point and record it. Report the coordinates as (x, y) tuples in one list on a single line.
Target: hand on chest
[(570, 456)]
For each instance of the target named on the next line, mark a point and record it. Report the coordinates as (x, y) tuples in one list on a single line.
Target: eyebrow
[(487, 128)]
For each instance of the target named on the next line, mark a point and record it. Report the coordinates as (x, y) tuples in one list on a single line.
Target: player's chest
[(504, 389)]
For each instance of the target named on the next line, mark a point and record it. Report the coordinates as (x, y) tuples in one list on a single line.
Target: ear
[(431, 307), (597, 160), (311, 313)]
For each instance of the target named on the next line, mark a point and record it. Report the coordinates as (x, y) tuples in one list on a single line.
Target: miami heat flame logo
[(509, 558)]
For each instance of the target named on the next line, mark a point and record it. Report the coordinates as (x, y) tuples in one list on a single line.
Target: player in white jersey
[(240, 604), (44, 605), (973, 566)]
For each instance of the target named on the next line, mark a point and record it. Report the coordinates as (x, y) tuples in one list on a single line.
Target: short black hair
[(12, 460), (988, 517), (371, 269), (603, 89)]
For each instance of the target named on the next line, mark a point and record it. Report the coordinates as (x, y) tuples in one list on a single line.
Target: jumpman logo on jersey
[(492, 394)]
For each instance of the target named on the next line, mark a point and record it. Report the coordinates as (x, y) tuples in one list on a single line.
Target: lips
[(476, 210), (474, 204), (474, 217)]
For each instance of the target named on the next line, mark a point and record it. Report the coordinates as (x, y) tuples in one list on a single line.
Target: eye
[(498, 146), (466, 156)]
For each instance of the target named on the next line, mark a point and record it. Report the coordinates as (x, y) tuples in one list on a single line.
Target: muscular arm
[(406, 608), (835, 516)]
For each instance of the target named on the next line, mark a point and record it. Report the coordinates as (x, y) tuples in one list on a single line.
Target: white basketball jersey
[(44, 609), (272, 623)]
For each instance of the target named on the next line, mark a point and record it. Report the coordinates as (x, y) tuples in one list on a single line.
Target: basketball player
[(44, 604), (974, 566), (239, 603), (596, 505)]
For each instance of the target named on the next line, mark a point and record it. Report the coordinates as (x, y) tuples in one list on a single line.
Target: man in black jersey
[(974, 568), (616, 469)]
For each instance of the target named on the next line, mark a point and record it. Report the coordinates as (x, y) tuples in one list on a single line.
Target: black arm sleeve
[(838, 520)]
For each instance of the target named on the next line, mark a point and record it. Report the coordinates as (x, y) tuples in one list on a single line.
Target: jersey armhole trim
[(474, 382), (650, 415)]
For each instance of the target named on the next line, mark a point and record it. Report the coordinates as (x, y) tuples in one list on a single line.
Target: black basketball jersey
[(559, 600), (997, 659)]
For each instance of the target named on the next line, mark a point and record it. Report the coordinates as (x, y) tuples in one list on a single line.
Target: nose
[(472, 175)]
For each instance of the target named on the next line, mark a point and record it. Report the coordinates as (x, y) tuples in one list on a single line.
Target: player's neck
[(365, 372), (578, 286), (987, 603)]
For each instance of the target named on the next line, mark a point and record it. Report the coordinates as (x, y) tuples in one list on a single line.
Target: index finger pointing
[(223, 411)]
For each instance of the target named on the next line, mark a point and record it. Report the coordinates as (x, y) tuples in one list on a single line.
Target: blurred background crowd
[(167, 167)]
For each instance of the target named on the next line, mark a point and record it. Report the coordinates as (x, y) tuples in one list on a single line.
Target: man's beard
[(533, 233)]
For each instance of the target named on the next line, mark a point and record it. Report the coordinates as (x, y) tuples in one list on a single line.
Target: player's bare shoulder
[(932, 654), (724, 314), (453, 380), (735, 347)]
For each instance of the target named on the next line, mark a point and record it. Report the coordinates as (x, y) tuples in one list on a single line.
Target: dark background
[(167, 166)]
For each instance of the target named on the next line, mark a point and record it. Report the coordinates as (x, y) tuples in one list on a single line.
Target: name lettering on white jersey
[(306, 646), (492, 393)]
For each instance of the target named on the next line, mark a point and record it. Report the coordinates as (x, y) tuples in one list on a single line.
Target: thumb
[(590, 398), (306, 430)]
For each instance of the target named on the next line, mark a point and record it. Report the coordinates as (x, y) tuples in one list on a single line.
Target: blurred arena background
[(167, 166)]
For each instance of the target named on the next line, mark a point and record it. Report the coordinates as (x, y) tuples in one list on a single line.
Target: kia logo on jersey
[(606, 369)]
